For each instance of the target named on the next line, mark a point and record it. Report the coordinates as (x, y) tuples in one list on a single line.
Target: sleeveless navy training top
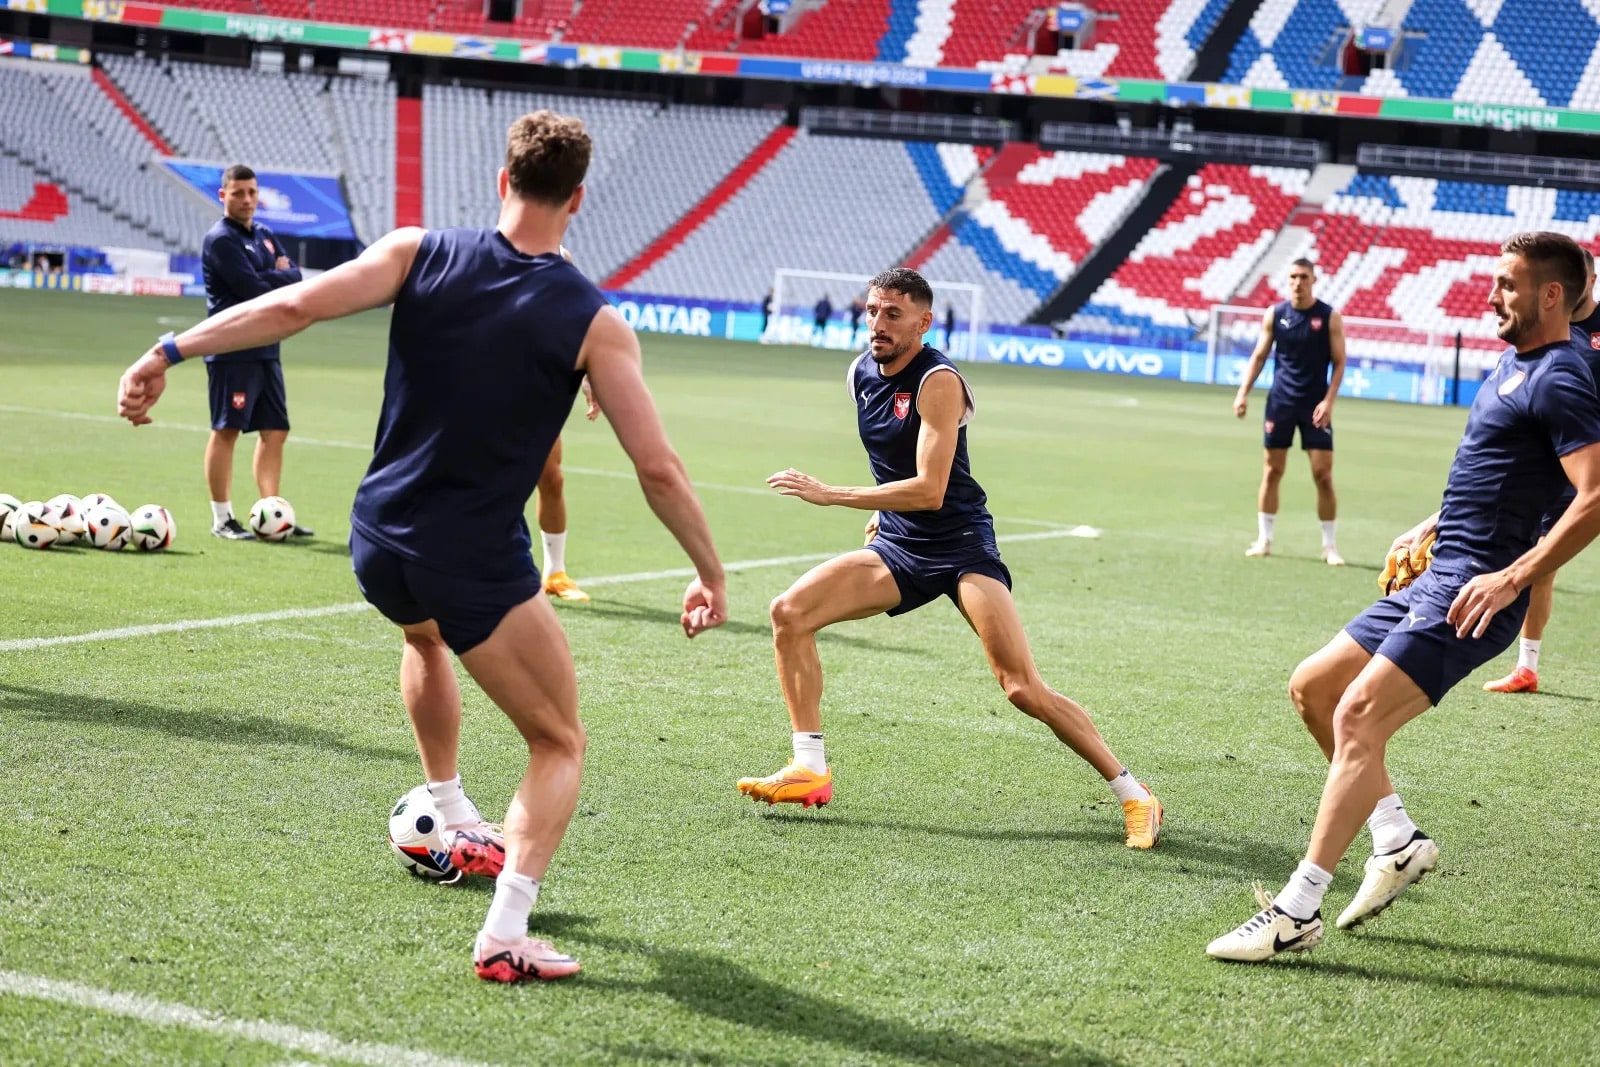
[(483, 343)]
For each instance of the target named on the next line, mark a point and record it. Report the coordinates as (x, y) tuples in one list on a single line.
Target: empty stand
[(63, 130), (841, 204), (1422, 251), (1198, 255)]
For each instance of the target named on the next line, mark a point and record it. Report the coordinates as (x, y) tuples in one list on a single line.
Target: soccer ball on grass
[(416, 833), (272, 518)]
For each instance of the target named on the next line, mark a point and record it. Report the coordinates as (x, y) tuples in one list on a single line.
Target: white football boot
[(1388, 876), (1268, 933)]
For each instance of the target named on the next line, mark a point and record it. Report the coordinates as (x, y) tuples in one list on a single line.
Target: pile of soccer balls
[(95, 520)]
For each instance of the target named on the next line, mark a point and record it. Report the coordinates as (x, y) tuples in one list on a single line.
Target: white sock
[(1328, 539), (1392, 829), (808, 753), (221, 511), (1528, 654), (514, 897), (1301, 897), (555, 552), (1264, 524), (454, 807), (1127, 787)]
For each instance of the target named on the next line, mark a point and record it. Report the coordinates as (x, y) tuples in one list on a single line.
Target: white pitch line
[(28, 644), (163, 1013), (590, 472)]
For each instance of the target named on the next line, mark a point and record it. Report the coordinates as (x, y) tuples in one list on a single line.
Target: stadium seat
[(1197, 255)]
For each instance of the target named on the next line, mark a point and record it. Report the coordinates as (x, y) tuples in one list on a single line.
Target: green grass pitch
[(195, 819)]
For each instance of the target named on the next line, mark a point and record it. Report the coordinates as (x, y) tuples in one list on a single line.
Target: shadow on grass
[(717, 988), (1234, 857), (1540, 957), (45, 705)]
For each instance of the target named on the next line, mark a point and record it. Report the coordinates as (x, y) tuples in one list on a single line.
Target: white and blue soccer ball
[(152, 528), (68, 512), (416, 833), (272, 518), (33, 525), (95, 500), (108, 527)]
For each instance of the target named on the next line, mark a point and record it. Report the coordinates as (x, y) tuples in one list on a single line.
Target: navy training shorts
[(248, 395), (1277, 429), (923, 575), (466, 609), (1409, 628)]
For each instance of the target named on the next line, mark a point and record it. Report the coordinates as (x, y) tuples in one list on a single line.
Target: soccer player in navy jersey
[(241, 259), (1308, 336), (490, 333), (1534, 426), (930, 535), (1524, 678)]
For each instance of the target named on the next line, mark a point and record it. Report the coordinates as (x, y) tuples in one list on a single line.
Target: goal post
[(1397, 360), (796, 294)]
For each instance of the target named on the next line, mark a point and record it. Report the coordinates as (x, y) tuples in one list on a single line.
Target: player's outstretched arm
[(1258, 360), (941, 402), (1487, 594), (611, 358), (371, 280)]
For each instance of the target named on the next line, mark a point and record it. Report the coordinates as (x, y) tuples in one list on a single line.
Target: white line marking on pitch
[(27, 644), (163, 1013), (591, 472)]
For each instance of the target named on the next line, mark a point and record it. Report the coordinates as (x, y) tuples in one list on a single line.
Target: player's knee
[(786, 614), (562, 739), (552, 482), (1354, 735), (1308, 690), (1323, 480), (1025, 693), (1273, 470)]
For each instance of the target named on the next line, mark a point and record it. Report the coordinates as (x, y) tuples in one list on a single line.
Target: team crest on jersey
[(1511, 383), (267, 241), (902, 405), (238, 401), (1594, 341), (1316, 324)]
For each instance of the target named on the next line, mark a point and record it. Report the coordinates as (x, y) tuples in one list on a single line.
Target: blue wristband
[(169, 347)]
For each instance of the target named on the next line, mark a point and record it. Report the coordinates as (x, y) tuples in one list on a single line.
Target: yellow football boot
[(792, 785), (562, 587), (1144, 821)]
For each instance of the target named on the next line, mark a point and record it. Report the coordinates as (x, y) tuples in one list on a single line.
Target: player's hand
[(1322, 415), (141, 386), (705, 605), (281, 263), (872, 529), (1241, 404), (1479, 601), (797, 483), (593, 410)]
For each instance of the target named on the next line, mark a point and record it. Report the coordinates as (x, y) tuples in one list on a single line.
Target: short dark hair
[(906, 282), (1588, 259), (1553, 257), (238, 173), (547, 156), (1306, 263)]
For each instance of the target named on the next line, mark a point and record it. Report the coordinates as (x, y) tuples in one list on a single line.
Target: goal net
[(796, 295), (1385, 359)]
